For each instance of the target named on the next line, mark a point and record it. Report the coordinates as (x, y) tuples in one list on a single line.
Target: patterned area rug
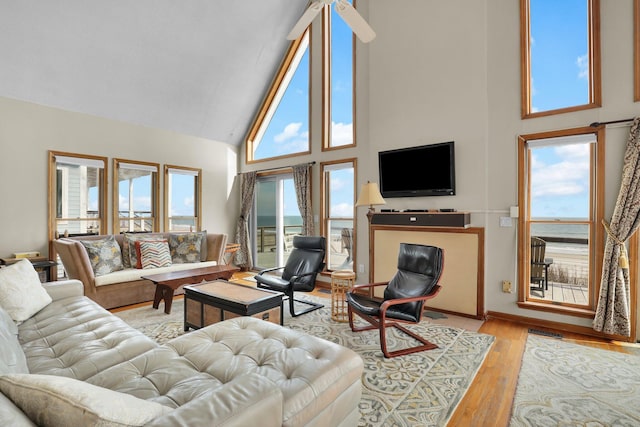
[(422, 389), (565, 384)]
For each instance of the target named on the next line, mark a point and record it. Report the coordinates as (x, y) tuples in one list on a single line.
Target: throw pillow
[(21, 293), (129, 255), (153, 253), (50, 400), (104, 254), (185, 247)]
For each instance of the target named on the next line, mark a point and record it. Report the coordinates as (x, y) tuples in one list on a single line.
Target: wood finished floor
[(488, 401)]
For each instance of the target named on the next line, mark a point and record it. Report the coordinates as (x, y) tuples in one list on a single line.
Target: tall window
[(561, 208), (182, 195), (275, 220), (338, 80), (135, 196), (338, 200), (281, 128), (560, 55), (77, 201)]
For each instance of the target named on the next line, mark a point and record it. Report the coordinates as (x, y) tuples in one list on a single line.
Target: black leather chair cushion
[(307, 256), (371, 307), (419, 269)]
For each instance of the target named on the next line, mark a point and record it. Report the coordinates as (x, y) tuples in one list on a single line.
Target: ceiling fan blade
[(305, 20), (354, 20)]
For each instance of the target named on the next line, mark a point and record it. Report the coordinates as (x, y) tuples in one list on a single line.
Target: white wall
[(441, 71), (28, 131)]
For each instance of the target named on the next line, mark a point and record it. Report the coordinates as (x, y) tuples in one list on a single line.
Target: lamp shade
[(370, 195)]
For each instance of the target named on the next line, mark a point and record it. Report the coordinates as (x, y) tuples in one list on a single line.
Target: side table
[(341, 282)]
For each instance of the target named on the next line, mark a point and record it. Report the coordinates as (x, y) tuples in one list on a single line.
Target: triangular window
[(282, 126)]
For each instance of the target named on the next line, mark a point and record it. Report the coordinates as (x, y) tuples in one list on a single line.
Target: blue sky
[(288, 131), (559, 74)]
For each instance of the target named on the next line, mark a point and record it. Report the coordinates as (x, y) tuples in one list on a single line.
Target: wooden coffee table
[(168, 283), (213, 302)]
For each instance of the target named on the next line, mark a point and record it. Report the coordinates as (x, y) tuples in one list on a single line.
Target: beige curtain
[(612, 312), (243, 255), (302, 183)]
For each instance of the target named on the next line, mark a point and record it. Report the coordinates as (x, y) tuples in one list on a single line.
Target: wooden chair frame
[(382, 322)]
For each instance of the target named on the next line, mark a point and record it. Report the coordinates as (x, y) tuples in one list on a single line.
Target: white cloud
[(341, 134), (583, 66), (291, 139), (342, 210), (290, 131), (567, 176)]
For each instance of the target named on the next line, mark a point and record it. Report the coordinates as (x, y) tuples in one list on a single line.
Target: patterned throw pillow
[(129, 255), (154, 253), (185, 247), (104, 254)]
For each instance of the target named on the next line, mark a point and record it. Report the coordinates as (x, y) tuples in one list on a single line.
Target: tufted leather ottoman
[(319, 380)]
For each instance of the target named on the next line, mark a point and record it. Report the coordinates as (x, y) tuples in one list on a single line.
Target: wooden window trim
[(197, 194), (155, 203), (595, 89), (262, 114), (51, 197), (324, 203), (326, 84), (597, 234)]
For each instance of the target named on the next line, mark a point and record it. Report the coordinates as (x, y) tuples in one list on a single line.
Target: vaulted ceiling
[(197, 67)]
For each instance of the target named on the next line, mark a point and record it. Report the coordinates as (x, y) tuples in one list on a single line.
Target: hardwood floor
[(488, 400)]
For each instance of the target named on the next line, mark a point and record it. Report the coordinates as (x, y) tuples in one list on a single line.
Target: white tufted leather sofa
[(241, 372)]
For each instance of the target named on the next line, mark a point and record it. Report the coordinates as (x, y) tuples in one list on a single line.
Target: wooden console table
[(463, 275)]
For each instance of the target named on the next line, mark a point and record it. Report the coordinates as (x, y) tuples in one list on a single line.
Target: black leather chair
[(299, 274), (419, 271)]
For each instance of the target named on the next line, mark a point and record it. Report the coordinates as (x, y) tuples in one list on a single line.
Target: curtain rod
[(281, 167), (596, 124)]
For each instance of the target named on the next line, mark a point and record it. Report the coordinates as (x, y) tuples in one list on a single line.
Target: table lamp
[(370, 195)]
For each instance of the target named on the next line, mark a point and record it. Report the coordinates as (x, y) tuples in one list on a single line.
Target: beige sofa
[(74, 363), (124, 287)]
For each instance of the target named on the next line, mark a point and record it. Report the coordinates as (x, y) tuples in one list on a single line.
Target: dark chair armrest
[(368, 285), (388, 303), (296, 277), (268, 270)]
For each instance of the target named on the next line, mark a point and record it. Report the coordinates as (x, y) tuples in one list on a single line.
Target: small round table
[(341, 282)]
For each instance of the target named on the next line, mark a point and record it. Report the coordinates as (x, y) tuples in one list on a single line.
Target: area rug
[(566, 384), (422, 389)]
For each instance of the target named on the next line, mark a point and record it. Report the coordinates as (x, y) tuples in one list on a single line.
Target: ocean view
[(575, 231)]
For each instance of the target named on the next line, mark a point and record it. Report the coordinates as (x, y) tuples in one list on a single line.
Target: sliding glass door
[(275, 220)]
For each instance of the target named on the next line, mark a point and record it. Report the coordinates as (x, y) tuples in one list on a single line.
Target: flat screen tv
[(427, 170)]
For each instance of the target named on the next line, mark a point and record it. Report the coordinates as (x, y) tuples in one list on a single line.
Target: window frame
[(155, 184), (595, 86), (325, 203), (596, 240), (278, 176), (273, 97), (327, 79), (52, 197), (197, 193)]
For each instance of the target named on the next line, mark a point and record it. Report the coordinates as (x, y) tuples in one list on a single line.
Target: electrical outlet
[(360, 268), (505, 221), (506, 286)]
